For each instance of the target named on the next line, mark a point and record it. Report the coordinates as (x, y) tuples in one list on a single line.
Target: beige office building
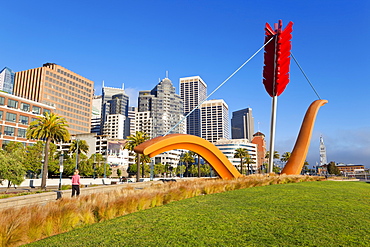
[(70, 93)]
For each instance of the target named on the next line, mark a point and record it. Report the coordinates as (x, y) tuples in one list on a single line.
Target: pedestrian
[(76, 184)]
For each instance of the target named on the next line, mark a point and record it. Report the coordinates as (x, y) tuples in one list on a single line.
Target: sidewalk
[(45, 197)]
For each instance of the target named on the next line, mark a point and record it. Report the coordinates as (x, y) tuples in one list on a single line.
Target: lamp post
[(151, 169), (76, 155), (94, 165), (60, 170)]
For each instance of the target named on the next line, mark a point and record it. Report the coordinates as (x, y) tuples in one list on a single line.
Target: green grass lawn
[(324, 213)]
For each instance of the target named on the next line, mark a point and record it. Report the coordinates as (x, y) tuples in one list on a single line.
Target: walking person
[(76, 184)]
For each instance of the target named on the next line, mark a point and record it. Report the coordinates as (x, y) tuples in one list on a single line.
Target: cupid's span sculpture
[(275, 79)]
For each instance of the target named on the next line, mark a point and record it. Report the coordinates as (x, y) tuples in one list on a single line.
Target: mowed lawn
[(327, 213)]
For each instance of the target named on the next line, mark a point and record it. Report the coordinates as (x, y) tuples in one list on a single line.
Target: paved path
[(43, 198)]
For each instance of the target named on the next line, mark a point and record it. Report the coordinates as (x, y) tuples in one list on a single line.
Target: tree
[(198, 161), (333, 169), (205, 169), (49, 127), (79, 146), (119, 172), (286, 156), (11, 168), (193, 170), (96, 159), (33, 158), (248, 159), (276, 156), (187, 158), (241, 154), (145, 168), (159, 169), (133, 141)]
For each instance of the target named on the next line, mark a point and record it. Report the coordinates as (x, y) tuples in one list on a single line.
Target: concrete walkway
[(43, 198)]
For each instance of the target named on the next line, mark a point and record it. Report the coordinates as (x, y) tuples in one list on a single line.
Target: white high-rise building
[(193, 90), (228, 148), (144, 122), (114, 126), (132, 111), (215, 120)]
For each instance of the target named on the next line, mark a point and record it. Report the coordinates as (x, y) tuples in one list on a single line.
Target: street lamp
[(76, 155), (60, 170), (94, 165)]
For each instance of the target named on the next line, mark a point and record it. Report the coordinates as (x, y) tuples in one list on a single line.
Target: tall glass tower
[(164, 107), (114, 102), (7, 80), (193, 91), (242, 124)]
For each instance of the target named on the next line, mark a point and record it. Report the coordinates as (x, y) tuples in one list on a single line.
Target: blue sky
[(136, 42)]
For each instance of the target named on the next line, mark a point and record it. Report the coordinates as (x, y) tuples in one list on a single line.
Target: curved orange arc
[(296, 161), (204, 148)]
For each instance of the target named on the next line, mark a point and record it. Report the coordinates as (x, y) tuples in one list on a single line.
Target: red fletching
[(277, 58)]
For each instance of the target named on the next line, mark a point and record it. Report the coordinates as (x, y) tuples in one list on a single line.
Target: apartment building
[(16, 114)]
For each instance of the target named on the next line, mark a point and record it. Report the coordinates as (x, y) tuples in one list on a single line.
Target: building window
[(36, 110), (11, 117), (23, 119), (25, 107), (5, 142), (22, 133), (46, 110), (8, 131), (1, 115), (12, 103), (33, 119), (2, 100)]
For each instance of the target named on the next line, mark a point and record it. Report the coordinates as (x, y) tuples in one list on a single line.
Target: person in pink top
[(76, 184)]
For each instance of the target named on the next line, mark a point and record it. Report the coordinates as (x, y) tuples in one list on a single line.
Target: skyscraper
[(163, 106), (7, 80), (96, 114), (114, 101), (215, 120), (242, 124), (193, 91), (71, 94)]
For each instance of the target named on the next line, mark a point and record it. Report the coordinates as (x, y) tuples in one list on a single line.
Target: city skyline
[(136, 43)]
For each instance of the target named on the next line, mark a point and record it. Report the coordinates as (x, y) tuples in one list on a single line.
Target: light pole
[(76, 155), (60, 170), (94, 165), (151, 169)]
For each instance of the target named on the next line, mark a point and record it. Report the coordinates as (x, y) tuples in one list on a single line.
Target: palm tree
[(285, 157), (198, 161), (276, 156), (49, 127), (187, 158), (248, 159), (78, 147), (133, 141), (241, 154)]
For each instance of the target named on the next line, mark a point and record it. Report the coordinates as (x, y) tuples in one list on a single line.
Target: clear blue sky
[(136, 42)]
